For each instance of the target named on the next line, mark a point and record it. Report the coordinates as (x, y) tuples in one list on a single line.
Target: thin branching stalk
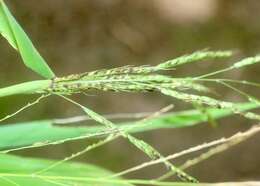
[(230, 142), (235, 139)]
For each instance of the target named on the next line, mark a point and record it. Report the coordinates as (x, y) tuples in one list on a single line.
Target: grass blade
[(46, 132), (18, 39), (22, 172)]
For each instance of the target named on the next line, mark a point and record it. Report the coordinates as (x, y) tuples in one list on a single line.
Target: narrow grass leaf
[(18, 39), (46, 132), (22, 172)]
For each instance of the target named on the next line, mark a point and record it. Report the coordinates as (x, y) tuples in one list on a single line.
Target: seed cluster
[(131, 78), (146, 78)]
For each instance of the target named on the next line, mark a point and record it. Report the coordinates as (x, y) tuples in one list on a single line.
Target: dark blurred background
[(84, 35)]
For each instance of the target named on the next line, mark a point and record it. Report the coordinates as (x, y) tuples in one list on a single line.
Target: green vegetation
[(22, 171)]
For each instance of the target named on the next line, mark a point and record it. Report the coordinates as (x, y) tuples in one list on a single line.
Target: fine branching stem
[(229, 142), (140, 144), (28, 105)]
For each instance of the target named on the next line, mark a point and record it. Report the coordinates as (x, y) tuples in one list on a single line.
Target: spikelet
[(196, 56), (247, 61), (204, 100)]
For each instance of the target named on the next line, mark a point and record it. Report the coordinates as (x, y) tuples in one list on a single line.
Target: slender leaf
[(40, 133), (15, 35), (21, 171)]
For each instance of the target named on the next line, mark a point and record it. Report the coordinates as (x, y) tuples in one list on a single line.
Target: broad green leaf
[(40, 133), (15, 35), (22, 171)]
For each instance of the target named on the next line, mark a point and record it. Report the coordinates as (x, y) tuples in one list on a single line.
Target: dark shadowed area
[(82, 35)]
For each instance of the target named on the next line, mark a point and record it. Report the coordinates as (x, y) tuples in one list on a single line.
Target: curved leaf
[(15, 35), (21, 171), (41, 133)]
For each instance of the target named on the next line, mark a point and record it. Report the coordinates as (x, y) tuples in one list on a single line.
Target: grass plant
[(129, 79)]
